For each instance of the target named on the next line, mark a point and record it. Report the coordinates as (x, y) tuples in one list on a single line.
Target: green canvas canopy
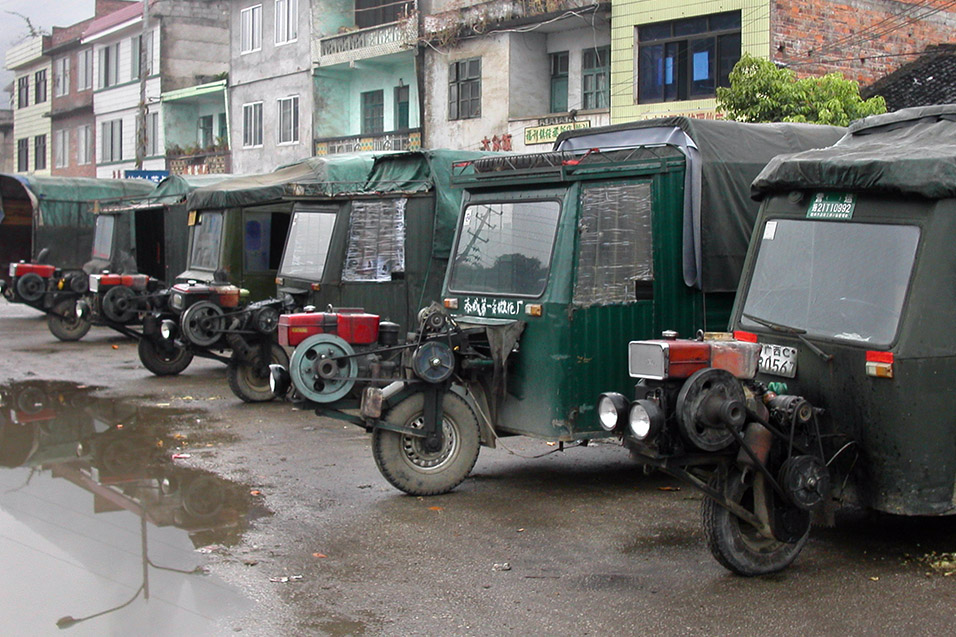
[(908, 152), (723, 158)]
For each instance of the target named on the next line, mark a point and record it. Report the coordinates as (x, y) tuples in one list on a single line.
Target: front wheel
[(162, 359), (734, 543), (65, 324), (411, 468), (249, 380)]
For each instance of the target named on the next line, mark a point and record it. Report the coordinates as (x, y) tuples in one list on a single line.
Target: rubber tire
[(733, 542), (155, 361), (64, 324), (242, 379), (388, 447)]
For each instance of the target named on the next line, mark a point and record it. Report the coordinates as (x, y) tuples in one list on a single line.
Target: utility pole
[(143, 65)]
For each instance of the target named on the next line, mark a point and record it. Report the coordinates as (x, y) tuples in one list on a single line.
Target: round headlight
[(610, 408), (167, 329), (644, 419)]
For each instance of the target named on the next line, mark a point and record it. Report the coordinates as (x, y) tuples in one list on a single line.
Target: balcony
[(409, 139), (370, 42), (198, 161)]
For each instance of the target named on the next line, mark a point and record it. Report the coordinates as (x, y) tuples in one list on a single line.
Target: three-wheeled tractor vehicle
[(836, 387), (138, 245), (383, 246), (221, 301), (558, 258), (51, 219)]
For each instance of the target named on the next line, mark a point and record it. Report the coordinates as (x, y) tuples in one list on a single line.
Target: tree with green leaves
[(761, 92)]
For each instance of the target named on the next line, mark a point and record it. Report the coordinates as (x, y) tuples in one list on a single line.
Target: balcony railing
[(370, 42), (213, 162), (409, 139)]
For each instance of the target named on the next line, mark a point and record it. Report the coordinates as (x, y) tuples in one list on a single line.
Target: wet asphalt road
[(592, 545)]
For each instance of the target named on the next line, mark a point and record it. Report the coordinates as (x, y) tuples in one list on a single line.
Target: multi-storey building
[(513, 75), (31, 104), (72, 123), (7, 145), (270, 83), (669, 57), (367, 76), (138, 55)]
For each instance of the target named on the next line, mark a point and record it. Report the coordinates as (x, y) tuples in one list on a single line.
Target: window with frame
[(307, 245), (23, 91), (287, 13), (371, 13), (595, 77), (559, 82), (39, 152), (400, 115), (109, 65), (136, 51), (61, 76), (84, 70), (223, 135), (61, 148), (111, 147), (84, 145), (39, 83), (252, 124), (288, 128), (152, 133), (373, 112), (464, 89), (615, 246), (251, 29), (686, 59), (23, 154), (205, 131)]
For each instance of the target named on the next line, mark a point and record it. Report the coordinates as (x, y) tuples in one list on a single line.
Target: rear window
[(103, 237)]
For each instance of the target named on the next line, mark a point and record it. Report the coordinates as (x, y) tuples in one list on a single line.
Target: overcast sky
[(44, 15)]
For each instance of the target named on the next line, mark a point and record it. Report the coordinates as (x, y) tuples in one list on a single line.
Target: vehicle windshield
[(103, 237), (206, 239), (307, 245), (505, 248), (837, 280)]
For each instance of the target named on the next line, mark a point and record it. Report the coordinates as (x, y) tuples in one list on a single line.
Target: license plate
[(778, 360)]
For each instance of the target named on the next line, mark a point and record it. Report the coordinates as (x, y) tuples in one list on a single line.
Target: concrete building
[(31, 104), (512, 75), (270, 83), (667, 58), (182, 43), (367, 76), (73, 152)]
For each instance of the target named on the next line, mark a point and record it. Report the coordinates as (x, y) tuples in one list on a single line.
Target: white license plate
[(778, 360)]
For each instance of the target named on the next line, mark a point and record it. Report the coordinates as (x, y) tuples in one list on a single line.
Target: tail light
[(879, 364)]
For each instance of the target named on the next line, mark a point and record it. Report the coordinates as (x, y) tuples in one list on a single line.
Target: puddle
[(100, 526)]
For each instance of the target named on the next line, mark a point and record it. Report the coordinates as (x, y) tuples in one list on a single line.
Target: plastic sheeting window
[(376, 240), (103, 237), (206, 235), (505, 248), (615, 245), (308, 244)]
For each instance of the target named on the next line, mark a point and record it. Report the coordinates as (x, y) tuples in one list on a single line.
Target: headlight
[(645, 419), (81, 309), (177, 300), (279, 380), (611, 407), (167, 329)]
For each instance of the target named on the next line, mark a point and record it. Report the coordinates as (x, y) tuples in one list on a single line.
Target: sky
[(44, 15)]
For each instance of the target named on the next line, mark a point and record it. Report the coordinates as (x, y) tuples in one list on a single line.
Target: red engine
[(21, 269), (353, 326)]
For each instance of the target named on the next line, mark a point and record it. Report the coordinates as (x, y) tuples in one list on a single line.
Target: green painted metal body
[(574, 351), (904, 427)]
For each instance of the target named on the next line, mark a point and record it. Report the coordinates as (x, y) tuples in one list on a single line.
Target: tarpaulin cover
[(62, 211), (908, 152), (65, 201), (172, 189), (723, 159), (326, 176)]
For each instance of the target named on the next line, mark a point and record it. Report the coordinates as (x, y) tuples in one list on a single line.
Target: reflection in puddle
[(100, 526)]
